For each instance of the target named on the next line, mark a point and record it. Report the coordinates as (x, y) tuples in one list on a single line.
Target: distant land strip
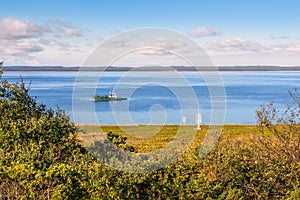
[(155, 68)]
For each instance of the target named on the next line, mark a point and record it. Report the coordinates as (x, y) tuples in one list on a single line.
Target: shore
[(152, 68), (149, 138)]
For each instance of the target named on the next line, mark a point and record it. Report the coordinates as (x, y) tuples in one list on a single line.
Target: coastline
[(153, 69)]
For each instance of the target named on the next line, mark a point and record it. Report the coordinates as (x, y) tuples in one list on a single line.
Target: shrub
[(39, 151), (265, 166)]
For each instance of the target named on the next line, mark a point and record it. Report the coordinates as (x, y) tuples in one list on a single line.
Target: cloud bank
[(236, 45), (21, 40), (57, 42), (204, 32)]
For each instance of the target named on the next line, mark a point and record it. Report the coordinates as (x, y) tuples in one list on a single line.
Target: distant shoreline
[(145, 69)]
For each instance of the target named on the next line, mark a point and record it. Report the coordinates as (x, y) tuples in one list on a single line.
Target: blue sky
[(232, 32)]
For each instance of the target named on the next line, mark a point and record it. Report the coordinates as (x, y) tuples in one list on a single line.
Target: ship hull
[(106, 99)]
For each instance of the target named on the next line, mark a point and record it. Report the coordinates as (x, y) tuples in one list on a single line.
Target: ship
[(112, 96)]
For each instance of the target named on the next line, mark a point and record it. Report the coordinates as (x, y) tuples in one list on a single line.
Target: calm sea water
[(160, 97)]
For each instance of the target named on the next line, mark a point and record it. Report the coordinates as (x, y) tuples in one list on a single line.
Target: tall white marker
[(199, 121), (184, 120)]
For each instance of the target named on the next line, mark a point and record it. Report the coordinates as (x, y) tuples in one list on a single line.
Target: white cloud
[(32, 62), (204, 32), (236, 45), (12, 28), (19, 47), (70, 32), (117, 42), (21, 40), (27, 45), (63, 28), (284, 37), (58, 44), (295, 48), (154, 51), (162, 47), (17, 37)]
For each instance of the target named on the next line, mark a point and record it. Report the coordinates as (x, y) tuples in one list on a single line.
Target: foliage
[(265, 165), (113, 150), (120, 141), (283, 127), (38, 148)]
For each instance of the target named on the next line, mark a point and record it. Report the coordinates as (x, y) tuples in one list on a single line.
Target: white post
[(184, 120), (199, 121)]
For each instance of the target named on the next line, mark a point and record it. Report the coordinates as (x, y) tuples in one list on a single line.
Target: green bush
[(39, 151), (264, 166)]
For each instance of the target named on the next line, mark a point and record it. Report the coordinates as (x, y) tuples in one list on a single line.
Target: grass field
[(147, 138)]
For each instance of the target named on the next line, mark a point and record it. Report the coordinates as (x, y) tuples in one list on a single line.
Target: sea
[(160, 97)]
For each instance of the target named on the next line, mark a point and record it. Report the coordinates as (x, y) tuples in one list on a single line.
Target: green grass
[(147, 138)]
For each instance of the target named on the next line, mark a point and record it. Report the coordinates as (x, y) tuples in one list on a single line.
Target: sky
[(231, 32)]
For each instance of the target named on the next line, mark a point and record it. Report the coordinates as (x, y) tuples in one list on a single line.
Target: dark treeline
[(152, 68)]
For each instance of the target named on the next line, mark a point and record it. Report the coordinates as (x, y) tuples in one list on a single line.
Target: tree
[(39, 150), (280, 142), (283, 127), (265, 164), (1, 63)]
